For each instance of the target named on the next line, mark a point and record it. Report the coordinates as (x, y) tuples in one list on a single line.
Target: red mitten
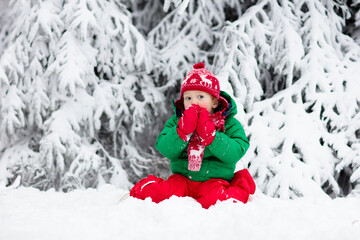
[(205, 127), (187, 122)]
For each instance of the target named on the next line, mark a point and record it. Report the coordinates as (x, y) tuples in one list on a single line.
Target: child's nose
[(194, 101)]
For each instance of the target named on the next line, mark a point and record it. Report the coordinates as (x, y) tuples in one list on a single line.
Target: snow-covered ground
[(27, 213)]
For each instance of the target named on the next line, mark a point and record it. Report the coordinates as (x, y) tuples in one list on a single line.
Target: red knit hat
[(200, 79)]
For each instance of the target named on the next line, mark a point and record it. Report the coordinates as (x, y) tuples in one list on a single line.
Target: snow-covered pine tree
[(296, 75), (188, 34), (76, 89), (353, 21), (146, 14)]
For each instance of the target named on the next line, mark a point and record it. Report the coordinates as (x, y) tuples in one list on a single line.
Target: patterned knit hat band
[(200, 79)]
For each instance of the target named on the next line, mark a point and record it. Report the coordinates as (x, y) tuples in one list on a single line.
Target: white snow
[(27, 213)]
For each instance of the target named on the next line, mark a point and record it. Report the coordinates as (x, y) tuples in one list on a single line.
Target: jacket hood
[(226, 105)]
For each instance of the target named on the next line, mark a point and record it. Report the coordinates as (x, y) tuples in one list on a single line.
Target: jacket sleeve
[(169, 143), (231, 145)]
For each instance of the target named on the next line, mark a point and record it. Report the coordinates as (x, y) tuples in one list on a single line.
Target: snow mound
[(99, 214)]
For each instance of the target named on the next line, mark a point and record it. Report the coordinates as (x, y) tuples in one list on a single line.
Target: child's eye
[(187, 98), (200, 97)]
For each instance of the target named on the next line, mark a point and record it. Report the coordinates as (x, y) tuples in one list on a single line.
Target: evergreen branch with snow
[(76, 76), (291, 137)]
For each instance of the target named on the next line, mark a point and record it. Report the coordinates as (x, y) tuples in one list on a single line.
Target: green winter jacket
[(220, 157)]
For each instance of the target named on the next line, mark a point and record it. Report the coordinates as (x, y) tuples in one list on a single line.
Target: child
[(204, 142)]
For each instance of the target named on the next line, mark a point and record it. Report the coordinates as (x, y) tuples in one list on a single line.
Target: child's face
[(203, 99)]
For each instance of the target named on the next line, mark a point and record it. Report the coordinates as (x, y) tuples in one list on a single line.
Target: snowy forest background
[(86, 86)]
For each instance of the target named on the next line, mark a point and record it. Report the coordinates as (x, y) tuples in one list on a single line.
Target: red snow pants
[(206, 193)]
